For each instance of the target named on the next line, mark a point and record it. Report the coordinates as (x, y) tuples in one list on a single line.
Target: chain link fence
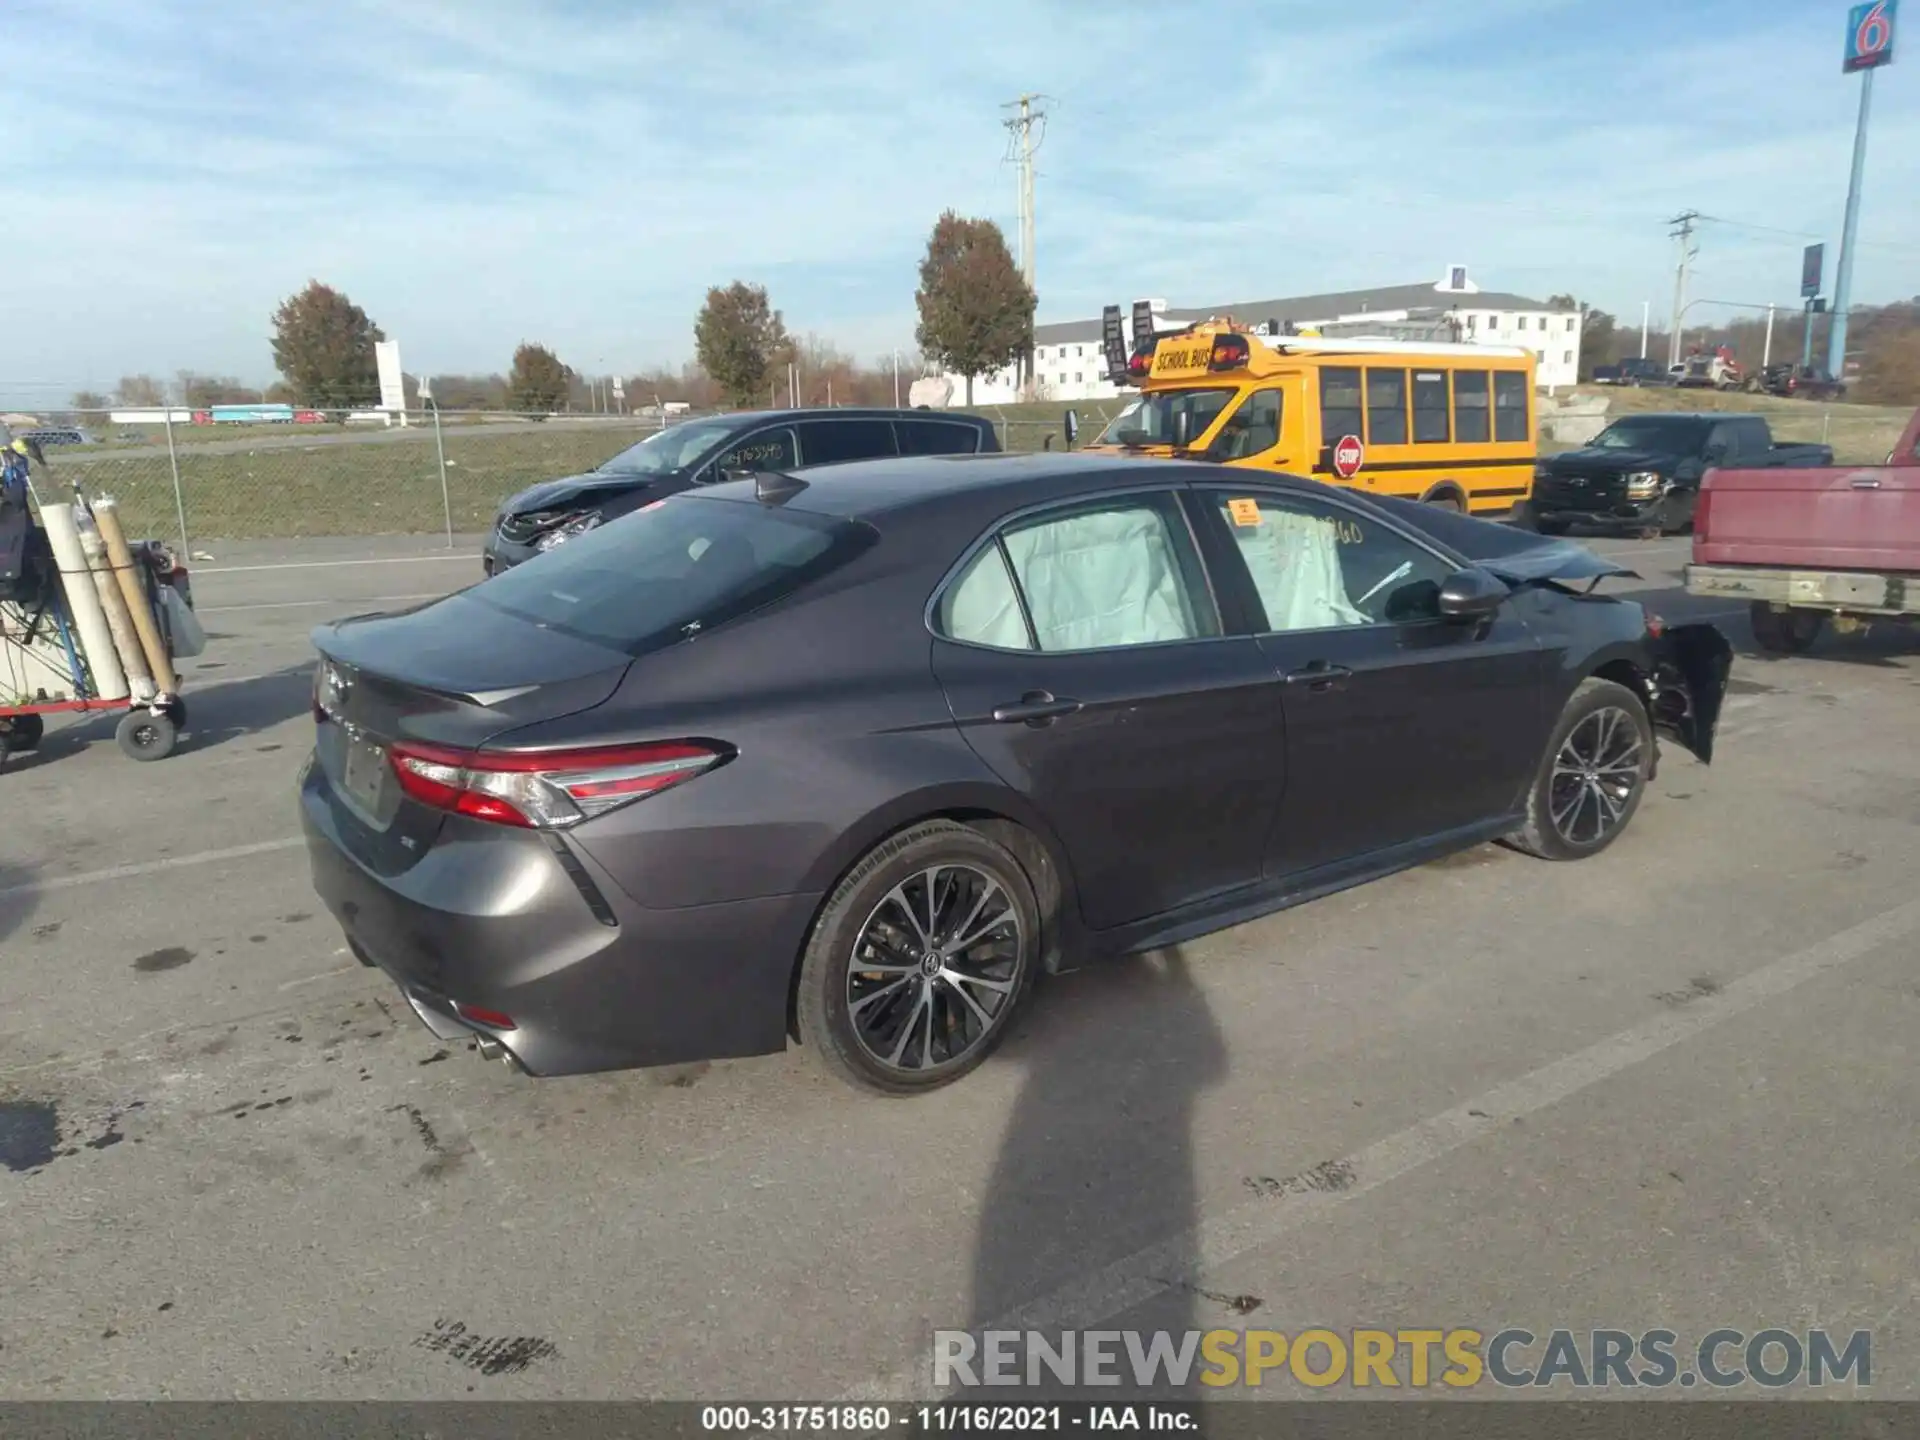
[(422, 473), (445, 474)]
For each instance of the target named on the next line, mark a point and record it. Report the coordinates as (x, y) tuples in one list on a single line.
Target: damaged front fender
[(1691, 665)]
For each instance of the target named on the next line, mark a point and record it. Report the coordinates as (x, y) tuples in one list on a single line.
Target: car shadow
[(16, 902), (217, 714), (1097, 1163)]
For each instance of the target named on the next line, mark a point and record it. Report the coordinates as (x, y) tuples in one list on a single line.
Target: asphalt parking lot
[(1670, 1087)]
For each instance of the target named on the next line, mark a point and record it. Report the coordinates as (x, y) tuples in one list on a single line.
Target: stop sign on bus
[(1348, 454)]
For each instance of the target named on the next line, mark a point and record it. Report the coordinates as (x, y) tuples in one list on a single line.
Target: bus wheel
[(1446, 500)]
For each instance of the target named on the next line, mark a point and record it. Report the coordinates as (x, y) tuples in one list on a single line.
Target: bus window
[(1471, 422), (1149, 419), (1429, 407), (1251, 430), (1339, 403), (1509, 406), (1386, 407)]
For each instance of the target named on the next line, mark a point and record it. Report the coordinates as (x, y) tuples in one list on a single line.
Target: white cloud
[(480, 172)]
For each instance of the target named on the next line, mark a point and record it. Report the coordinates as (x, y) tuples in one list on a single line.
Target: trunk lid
[(452, 672), (1837, 518)]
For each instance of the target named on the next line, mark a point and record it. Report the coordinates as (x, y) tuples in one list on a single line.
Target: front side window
[(1386, 407), (832, 442), (1340, 412), (1510, 407), (1149, 420), (1317, 567), (1251, 430), (764, 450), (1117, 573)]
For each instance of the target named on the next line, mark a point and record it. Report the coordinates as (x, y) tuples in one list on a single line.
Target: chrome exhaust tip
[(491, 1049)]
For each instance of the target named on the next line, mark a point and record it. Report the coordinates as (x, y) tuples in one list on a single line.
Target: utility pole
[(1646, 313), (1683, 232), (1022, 143)]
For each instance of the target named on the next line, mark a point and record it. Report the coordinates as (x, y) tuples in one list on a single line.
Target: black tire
[(1561, 816), (1550, 527), (1785, 632), (1447, 500), (862, 915), (22, 732), (143, 735)]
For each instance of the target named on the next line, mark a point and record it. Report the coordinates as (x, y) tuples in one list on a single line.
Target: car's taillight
[(545, 789)]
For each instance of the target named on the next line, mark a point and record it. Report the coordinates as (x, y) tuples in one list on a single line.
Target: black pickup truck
[(1641, 475)]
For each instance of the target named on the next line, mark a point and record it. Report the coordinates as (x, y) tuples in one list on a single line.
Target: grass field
[(391, 484)]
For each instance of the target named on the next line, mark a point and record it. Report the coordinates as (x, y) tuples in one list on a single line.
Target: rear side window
[(1510, 407), (936, 437), (1472, 424), (830, 442), (1750, 436), (1339, 403), (1098, 576), (672, 569)]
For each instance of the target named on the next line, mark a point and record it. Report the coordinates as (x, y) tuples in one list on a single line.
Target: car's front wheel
[(918, 960), (1592, 776)]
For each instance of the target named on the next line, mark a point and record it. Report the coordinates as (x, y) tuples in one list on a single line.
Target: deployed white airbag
[(1295, 561), (1102, 579)]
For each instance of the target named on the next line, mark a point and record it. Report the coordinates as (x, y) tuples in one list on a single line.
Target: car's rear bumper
[(500, 923)]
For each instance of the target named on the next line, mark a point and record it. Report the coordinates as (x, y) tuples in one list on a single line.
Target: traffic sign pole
[(1843, 276)]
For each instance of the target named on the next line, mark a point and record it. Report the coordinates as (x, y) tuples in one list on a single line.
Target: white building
[(1068, 363)]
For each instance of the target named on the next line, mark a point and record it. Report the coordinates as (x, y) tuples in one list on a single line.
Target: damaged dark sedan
[(848, 759)]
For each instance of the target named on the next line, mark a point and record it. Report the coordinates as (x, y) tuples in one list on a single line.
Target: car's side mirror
[(1072, 424), (1182, 429), (1471, 594), (1714, 454)]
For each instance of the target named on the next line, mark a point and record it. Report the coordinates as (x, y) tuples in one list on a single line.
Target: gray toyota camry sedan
[(847, 759)]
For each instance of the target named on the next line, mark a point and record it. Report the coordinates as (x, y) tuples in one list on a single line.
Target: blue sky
[(577, 172)]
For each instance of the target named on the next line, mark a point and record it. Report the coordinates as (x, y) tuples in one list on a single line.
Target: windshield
[(675, 568), (1149, 419), (674, 448), (1664, 434)]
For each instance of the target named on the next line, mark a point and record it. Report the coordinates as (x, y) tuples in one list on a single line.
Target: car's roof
[(838, 412), (873, 487)]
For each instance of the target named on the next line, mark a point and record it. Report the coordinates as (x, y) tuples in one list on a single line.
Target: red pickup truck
[(1803, 547)]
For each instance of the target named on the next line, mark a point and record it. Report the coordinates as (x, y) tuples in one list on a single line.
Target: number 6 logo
[(1874, 32)]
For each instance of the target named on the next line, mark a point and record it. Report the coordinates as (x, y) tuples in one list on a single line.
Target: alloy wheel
[(1595, 775), (934, 969)]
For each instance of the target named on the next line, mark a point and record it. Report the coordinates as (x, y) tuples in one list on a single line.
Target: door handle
[(1865, 482), (1320, 676), (1036, 707)]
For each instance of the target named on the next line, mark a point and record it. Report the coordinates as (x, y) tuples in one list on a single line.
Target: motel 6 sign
[(1870, 35)]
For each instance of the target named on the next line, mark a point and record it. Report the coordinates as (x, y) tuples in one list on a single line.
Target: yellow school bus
[(1452, 424)]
